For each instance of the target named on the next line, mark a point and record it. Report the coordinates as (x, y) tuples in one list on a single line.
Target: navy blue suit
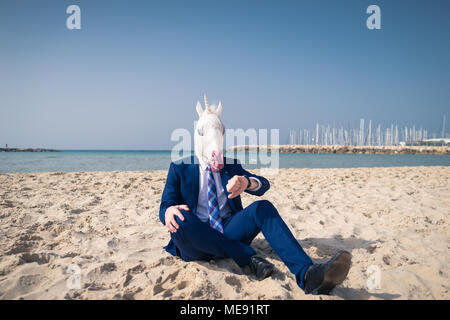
[(196, 240)]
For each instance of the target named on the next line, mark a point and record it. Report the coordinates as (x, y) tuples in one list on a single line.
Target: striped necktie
[(215, 221)]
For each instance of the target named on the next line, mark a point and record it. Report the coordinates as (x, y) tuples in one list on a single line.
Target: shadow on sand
[(325, 249)]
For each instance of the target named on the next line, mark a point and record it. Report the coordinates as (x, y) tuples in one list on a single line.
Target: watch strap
[(249, 182)]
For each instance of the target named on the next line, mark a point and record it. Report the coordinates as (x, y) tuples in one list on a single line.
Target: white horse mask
[(208, 136)]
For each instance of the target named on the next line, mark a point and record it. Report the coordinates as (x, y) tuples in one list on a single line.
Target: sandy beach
[(106, 223)]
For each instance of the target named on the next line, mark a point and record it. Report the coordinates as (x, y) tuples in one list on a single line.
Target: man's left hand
[(236, 186)]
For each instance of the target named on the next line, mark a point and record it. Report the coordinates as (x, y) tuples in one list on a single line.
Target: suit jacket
[(182, 187)]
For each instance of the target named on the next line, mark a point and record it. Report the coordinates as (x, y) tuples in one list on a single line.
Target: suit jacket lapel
[(195, 178), (224, 178)]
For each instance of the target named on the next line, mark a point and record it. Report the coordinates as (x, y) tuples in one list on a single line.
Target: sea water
[(129, 160)]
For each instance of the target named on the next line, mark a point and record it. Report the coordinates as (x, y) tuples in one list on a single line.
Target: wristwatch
[(249, 182)]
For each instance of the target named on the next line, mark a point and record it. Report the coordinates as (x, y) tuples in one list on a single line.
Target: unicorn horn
[(206, 102)]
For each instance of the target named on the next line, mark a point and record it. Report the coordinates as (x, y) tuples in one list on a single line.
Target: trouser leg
[(263, 216), (196, 240)]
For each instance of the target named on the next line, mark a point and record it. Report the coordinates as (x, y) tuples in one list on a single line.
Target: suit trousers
[(196, 240)]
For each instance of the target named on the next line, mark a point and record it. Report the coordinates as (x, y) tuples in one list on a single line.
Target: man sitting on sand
[(201, 207)]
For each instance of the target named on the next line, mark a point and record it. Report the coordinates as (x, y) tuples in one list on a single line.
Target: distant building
[(430, 142)]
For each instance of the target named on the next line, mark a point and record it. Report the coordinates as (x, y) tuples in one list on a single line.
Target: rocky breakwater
[(27, 150), (343, 149)]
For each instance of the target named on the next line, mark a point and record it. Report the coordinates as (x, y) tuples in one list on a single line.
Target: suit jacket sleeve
[(171, 195), (265, 185)]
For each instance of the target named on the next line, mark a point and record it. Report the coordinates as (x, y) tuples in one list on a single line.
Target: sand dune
[(106, 223)]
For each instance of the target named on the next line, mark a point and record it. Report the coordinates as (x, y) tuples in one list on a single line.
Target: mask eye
[(200, 132)]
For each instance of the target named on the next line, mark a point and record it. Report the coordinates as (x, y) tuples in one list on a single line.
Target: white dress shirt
[(222, 199)]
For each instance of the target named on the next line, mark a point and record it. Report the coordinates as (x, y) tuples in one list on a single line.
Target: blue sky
[(135, 70)]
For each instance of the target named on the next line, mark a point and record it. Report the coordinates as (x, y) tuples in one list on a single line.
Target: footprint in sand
[(28, 283), (170, 280), (40, 258), (234, 282), (108, 267)]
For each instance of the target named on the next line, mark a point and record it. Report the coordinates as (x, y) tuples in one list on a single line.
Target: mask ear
[(199, 109), (219, 109)]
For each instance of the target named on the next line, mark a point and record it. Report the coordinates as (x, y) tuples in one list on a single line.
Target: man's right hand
[(171, 212)]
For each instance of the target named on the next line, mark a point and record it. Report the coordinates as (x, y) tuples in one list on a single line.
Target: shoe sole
[(336, 273), (266, 273)]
